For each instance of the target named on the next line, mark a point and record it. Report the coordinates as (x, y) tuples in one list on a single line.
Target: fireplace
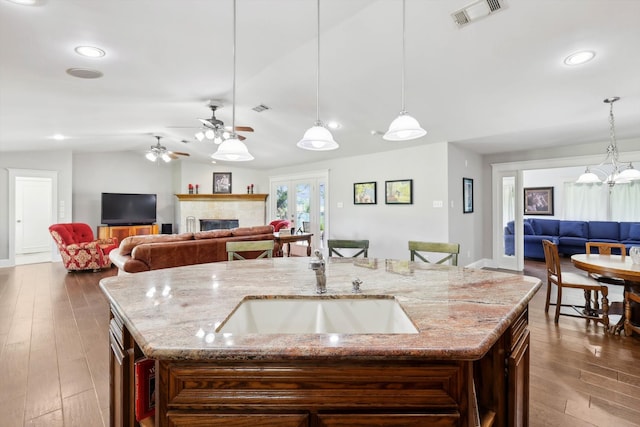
[(250, 210), (218, 224)]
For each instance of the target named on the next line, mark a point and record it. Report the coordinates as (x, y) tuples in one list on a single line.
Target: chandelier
[(621, 172)]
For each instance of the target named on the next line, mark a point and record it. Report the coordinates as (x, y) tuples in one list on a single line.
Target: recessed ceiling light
[(334, 125), (90, 51), (28, 2), (579, 58), (58, 137), (84, 73)]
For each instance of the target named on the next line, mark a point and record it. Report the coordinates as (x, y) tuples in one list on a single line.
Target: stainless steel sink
[(318, 315)]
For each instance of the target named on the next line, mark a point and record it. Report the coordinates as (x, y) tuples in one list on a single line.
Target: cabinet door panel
[(238, 420), (142, 229), (388, 420), (518, 400), (120, 232)]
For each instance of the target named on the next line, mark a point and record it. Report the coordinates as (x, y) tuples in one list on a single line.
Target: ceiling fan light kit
[(318, 137), (159, 152), (404, 127), (620, 174)]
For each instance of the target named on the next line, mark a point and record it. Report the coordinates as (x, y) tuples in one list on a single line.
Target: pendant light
[(404, 127), (621, 172), (233, 149), (318, 137)]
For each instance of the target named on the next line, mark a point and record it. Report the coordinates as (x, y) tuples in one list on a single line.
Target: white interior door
[(33, 213)]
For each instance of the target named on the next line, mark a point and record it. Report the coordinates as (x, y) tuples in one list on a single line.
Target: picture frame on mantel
[(222, 183), (538, 201)]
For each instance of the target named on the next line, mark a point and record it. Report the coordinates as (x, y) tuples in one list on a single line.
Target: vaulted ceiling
[(497, 84)]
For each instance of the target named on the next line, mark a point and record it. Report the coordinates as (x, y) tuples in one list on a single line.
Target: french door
[(302, 200)]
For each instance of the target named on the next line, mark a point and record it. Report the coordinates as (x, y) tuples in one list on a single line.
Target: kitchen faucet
[(317, 264)]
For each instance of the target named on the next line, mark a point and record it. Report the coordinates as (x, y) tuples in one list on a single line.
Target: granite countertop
[(459, 312)]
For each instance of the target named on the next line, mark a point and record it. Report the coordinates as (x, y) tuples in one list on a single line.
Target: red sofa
[(78, 247)]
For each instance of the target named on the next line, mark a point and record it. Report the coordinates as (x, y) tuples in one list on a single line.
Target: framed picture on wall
[(222, 183), (467, 195), (538, 201), (364, 193), (399, 192)]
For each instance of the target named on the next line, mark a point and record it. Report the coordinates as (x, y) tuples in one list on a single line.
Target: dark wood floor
[(54, 357)]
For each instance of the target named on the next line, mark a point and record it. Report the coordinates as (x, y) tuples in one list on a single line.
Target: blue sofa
[(570, 236)]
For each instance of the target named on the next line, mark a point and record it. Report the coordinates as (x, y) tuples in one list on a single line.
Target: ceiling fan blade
[(241, 138), (207, 123), (244, 128), (171, 155), (180, 153)]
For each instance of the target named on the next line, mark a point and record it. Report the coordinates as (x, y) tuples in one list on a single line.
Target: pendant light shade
[(318, 137), (404, 127), (588, 177), (629, 174), (232, 149)]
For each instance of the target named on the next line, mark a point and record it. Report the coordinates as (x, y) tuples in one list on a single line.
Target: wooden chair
[(335, 245), (631, 294), (606, 249), (575, 281), (453, 249), (266, 246)]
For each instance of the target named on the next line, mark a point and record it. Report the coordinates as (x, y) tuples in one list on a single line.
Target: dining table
[(620, 267)]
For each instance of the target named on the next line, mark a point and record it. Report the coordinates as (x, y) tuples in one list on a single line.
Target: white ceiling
[(496, 85)]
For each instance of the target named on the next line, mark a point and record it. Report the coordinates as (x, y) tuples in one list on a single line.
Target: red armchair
[(79, 249), (280, 223)]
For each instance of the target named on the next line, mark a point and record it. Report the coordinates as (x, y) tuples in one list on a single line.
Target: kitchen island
[(471, 349)]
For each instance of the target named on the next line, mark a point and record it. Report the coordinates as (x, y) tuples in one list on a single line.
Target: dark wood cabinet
[(330, 393)]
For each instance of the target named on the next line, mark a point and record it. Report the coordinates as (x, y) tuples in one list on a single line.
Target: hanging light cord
[(233, 108), (318, 123), (403, 56)]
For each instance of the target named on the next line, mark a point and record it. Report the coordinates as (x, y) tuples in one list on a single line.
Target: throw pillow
[(634, 232), (573, 229), (528, 228)]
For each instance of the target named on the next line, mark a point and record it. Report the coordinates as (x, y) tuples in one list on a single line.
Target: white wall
[(390, 227), (466, 228), (59, 161), (119, 172)]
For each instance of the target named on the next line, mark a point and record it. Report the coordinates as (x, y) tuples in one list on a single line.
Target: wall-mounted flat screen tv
[(128, 209)]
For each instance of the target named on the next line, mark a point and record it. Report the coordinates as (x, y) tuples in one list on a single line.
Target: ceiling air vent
[(476, 10), (260, 108)]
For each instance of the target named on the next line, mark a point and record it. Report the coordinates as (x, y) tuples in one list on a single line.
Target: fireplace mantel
[(222, 197), (249, 209)]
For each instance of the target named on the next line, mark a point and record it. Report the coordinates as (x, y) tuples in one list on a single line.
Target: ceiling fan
[(215, 129), (158, 152)]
